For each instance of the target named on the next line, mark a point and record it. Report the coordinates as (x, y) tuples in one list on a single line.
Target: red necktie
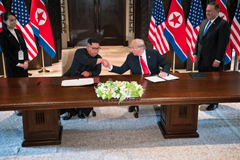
[(144, 66)]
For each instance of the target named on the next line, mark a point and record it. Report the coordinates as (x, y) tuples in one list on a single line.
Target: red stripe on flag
[(224, 15), (235, 34), (28, 37), (156, 28)]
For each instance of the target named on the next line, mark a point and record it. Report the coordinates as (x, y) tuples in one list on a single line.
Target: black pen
[(162, 78), (38, 82)]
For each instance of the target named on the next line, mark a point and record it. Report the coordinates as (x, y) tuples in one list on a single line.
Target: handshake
[(105, 63)]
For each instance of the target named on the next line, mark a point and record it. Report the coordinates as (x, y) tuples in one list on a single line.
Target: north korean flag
[(41, 26), (175, 31), (224, 15)]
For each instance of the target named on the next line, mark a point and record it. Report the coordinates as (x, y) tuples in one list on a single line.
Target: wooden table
[(179, 100)]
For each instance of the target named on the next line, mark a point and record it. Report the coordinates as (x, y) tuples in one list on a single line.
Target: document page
[(154, 79), (161, 79), (170, 77), (78, 82)]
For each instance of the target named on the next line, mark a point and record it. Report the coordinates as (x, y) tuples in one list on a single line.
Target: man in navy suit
[(212, 42), (152, 59)]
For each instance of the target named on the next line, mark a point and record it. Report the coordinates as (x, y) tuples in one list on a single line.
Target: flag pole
[(43, 70), (237, 63), (173, 62), (4, 70), (193, 67)]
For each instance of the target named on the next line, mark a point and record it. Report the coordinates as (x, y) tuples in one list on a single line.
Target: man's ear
[(87, 47), (4, 22)]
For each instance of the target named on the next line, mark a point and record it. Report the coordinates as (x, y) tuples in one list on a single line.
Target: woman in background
[(14, 48)]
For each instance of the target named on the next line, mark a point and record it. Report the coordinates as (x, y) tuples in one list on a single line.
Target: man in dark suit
[(86, 62), (212, 42), (141, 61)]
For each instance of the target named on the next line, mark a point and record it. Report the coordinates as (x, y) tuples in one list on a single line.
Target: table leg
[(41, 127), (179, 121)]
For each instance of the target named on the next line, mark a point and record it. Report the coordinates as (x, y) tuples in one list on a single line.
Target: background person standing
[(212, 41), (14, 48)]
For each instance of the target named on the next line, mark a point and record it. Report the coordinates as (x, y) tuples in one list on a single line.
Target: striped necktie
[(144, 66)]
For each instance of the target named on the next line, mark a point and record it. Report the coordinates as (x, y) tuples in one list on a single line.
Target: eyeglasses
[(94, 48)]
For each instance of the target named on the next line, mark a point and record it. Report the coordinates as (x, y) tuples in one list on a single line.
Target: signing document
[(161, 79), (78, 82)]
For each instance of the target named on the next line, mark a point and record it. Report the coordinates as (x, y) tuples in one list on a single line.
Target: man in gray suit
[(212, 42)]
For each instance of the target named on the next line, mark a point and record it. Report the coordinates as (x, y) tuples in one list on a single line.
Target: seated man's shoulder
[(98, 56), (130, 55), (81, 50), (152, 51)]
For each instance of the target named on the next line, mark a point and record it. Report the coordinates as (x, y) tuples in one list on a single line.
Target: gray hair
[(138, 42)]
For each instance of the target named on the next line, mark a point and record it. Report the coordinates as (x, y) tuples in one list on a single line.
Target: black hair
[(93, 40), (215, 4), (4, 17)]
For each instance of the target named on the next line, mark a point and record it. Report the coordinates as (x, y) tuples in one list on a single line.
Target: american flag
[(156, 28), (195, 18), (235, 32), (224, 15), (23, 23), (2, 10)]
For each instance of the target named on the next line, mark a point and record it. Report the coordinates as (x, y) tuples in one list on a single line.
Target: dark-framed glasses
[(98, 48)]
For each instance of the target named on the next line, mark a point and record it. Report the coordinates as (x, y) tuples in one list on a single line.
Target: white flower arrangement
[(119, 89)]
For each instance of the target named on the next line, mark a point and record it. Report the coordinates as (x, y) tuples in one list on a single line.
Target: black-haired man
[(86, 62)]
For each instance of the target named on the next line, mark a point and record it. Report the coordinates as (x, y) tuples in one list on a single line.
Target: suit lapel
[(148, 58), (213, 25), (201, 31), (19, 36), (11, 36), (149, 62), (138, 64)]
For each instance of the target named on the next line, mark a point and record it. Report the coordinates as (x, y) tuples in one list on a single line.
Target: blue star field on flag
[(195, 14), (20, 10), (158, 13)]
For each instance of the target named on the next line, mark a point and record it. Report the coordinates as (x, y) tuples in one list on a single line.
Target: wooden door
[(101, 19)]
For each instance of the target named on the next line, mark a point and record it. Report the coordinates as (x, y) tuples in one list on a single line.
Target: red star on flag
[(40, 17), (175, 19)]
